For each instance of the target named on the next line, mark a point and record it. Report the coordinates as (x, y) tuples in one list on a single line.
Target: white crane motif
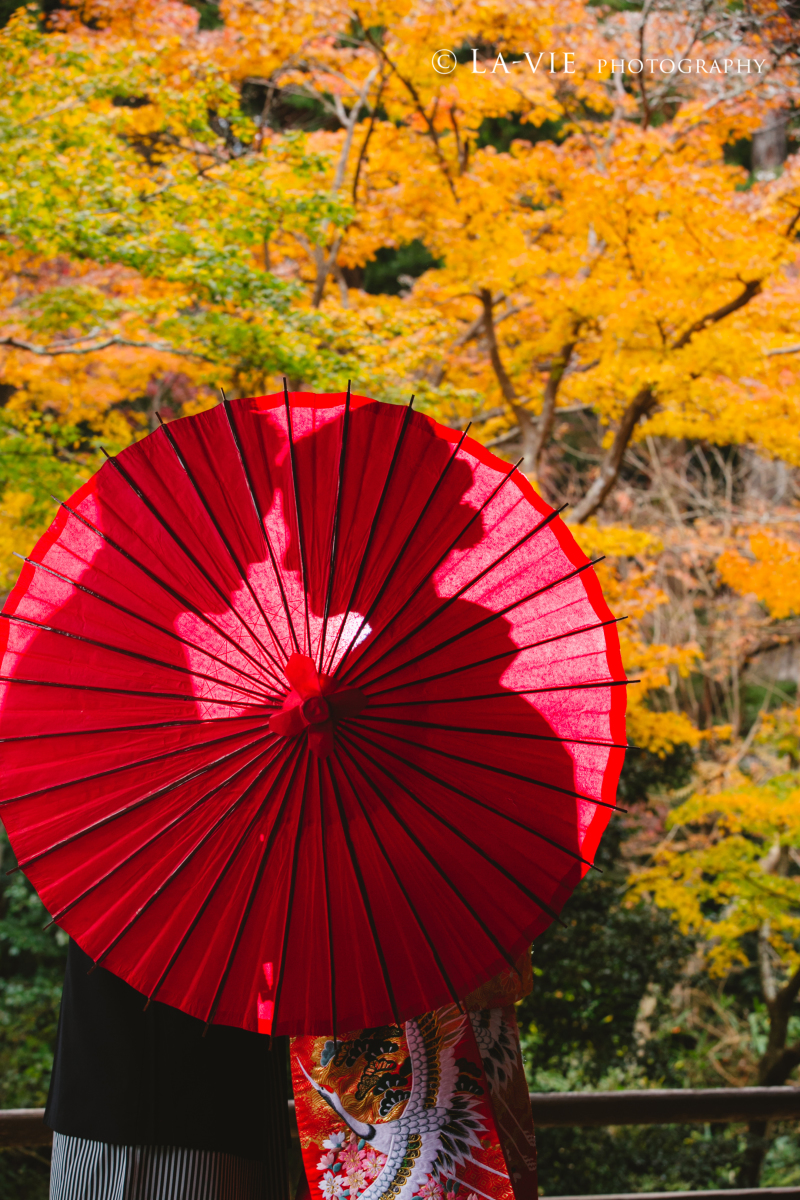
[(438, 1127)]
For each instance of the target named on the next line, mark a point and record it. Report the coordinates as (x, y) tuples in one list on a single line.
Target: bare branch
[(643, 403), (326, 264), (503, 378), (768, 984), (646, 115), (56, 350), (544, 426), (364, 145), (470, 332), (412, 91)]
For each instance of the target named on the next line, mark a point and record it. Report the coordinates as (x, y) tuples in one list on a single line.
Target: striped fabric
[(86, 1170)]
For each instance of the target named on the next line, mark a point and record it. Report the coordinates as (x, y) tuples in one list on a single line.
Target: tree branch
[(326, 264), (643, 403), (503, 378), (768, 984), (412, 91), (792, 988), (324, 267), (362, 152), (535, 431), (781, 1069), (54, 351), (750, 290), (544, 426), (791, 226), (525, 419), (645, 102)]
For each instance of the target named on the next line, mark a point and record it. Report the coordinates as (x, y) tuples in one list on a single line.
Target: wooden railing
[(674, 1106), (26, 1127)]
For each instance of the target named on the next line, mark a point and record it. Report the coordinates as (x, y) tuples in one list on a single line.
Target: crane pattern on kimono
[(440, 1125), (497, 1046)]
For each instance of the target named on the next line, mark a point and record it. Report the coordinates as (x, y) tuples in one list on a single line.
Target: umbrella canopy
[(311, 714)]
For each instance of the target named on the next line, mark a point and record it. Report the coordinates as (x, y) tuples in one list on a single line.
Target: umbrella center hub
[(315, 710)]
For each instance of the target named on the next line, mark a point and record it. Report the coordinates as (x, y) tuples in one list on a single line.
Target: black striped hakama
[(87, 1170), (146, 1104)]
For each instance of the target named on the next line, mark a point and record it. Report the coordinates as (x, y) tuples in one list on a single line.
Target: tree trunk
[(757, 1144), (325, 265), (534, 431), (770, 146), (529, 435), (779, 1060), (544, 426), (642, 404)]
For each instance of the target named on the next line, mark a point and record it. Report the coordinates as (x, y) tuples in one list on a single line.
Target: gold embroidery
[(413, 1151)]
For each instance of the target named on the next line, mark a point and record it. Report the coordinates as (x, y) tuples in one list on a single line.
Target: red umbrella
[(311, 713)]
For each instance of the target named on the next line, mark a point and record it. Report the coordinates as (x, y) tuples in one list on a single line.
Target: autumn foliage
[(611, 298)]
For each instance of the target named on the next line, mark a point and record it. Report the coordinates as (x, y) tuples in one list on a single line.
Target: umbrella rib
[(487, 620), (450, 787), (556, 687), (142, 762), (37, 737), (482, 662), (437, 866), (170, 591), (139, 804), (217, 882), (471, 762), (179, 542), (129, 612), (297, 511), (177, 870), (387, 982), (443, 556), (226, 543), (421, 516), (290, 899), (542, 904), (90, 687), (442, 608), (270, 842), (146, 658), (327, 899), (273, 561), (436, 956), (335, 528), (373, 526), (511, 733)]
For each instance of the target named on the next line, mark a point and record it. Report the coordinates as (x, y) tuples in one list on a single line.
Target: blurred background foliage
[(599, 269)]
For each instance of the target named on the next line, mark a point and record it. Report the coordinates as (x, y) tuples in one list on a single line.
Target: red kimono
[(437, 1107)]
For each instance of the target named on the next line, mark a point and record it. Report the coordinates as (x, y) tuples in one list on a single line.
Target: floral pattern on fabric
[(429, 1110)]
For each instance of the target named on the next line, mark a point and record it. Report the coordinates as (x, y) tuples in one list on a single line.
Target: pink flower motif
[(356, 1181), (431, 1190), (368, 1161), (350, 1156), (372, 1163), (327, 1161)]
